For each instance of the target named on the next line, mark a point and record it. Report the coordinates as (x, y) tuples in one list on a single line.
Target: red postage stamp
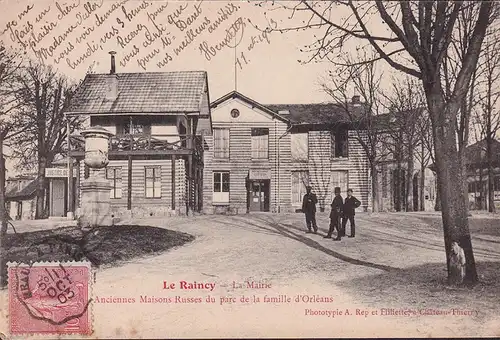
[(49, 298)]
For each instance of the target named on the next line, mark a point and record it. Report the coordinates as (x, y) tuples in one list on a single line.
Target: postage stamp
[(49, 298)]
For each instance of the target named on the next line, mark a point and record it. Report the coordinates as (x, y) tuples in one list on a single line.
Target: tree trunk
[(482, 201), (398, 189), (3, 215), (40, 192), (422, 185), (375, 188), (409, 181), (451, 180), (491, 188)]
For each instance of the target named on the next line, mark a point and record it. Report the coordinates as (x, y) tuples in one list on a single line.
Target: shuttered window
[(260, 143), (221, 143), (300, 179), (300, 146), (339, 178)]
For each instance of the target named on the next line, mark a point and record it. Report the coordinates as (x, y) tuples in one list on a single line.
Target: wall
[(142, 206), (240, 160), (319, 165)]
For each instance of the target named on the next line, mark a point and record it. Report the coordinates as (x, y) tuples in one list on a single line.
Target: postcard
[(247, 169)]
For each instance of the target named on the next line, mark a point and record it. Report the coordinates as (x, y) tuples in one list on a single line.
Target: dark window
[(152, 188), (221, 181), (114, 175), (340, 143)]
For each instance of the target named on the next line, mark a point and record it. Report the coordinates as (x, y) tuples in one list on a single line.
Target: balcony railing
[(151, 143)]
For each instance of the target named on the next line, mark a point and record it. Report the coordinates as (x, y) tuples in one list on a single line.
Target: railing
[(148, 143)]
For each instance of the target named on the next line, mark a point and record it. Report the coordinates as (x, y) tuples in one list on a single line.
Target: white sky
[(272, 73)]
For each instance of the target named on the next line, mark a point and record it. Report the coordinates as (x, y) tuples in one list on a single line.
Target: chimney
[(356, 100), (113, 66), (112, 80)]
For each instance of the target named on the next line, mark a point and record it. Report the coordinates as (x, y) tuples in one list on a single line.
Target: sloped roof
[(25, 193), (236, 94), (158, 92)]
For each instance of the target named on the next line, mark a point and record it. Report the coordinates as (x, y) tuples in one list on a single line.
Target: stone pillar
[(95, 201)]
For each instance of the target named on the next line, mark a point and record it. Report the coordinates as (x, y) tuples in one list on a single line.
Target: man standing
[(350, 204), (309, 208), (335, 215)]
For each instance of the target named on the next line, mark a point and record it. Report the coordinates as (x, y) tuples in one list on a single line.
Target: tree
[(9, 127), (419, 37), (364, 80), (488, 114), (45, 95), (406, 106), (424, 153)]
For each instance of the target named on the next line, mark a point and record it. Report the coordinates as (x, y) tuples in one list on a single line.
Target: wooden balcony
[(146, 145)]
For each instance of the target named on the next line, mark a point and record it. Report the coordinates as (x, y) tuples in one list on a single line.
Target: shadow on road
[(288, 230), (424, 286)]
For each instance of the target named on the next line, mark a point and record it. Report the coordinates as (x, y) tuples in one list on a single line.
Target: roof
[(153, 92), (312, 113), (25, 193), (236, 94), (476, 153)]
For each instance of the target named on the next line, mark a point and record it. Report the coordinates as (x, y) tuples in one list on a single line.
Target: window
[(152, 188), (300, 146), (221, 187), (339, 178), (339, 145), (300, 179), (114, 174), (221, 143), (260, 143)]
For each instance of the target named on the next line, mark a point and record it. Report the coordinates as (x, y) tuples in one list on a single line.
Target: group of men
[(342, 211)]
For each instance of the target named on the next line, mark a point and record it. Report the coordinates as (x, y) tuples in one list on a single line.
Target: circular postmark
[(56, 294)]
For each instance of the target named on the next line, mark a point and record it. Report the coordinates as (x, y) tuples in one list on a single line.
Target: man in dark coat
[(309, 209), (350, 205), (335, 215)]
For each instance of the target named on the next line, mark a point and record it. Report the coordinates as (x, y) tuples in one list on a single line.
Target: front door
[(259, 195), (58, 199)]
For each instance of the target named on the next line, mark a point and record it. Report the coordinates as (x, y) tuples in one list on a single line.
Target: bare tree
[(417, 43), (363, 80), (9, 127), (406, 106), (45, 95), (488, 114)]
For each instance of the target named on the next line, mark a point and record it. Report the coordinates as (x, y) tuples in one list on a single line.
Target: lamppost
[(95, 202)]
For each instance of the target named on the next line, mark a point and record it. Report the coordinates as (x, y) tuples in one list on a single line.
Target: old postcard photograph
[(249, 169)]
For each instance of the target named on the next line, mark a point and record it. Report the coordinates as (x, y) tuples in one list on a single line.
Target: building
[(57, 177), (156, 155), (261, 157), (477, 174), (20, 197)]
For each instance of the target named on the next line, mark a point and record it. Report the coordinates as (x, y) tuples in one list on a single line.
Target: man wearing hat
[(335, 215), (309, 208), (350, 204)]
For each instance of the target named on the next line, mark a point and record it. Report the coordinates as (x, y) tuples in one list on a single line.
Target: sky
[(232, 41), (267, 63)]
